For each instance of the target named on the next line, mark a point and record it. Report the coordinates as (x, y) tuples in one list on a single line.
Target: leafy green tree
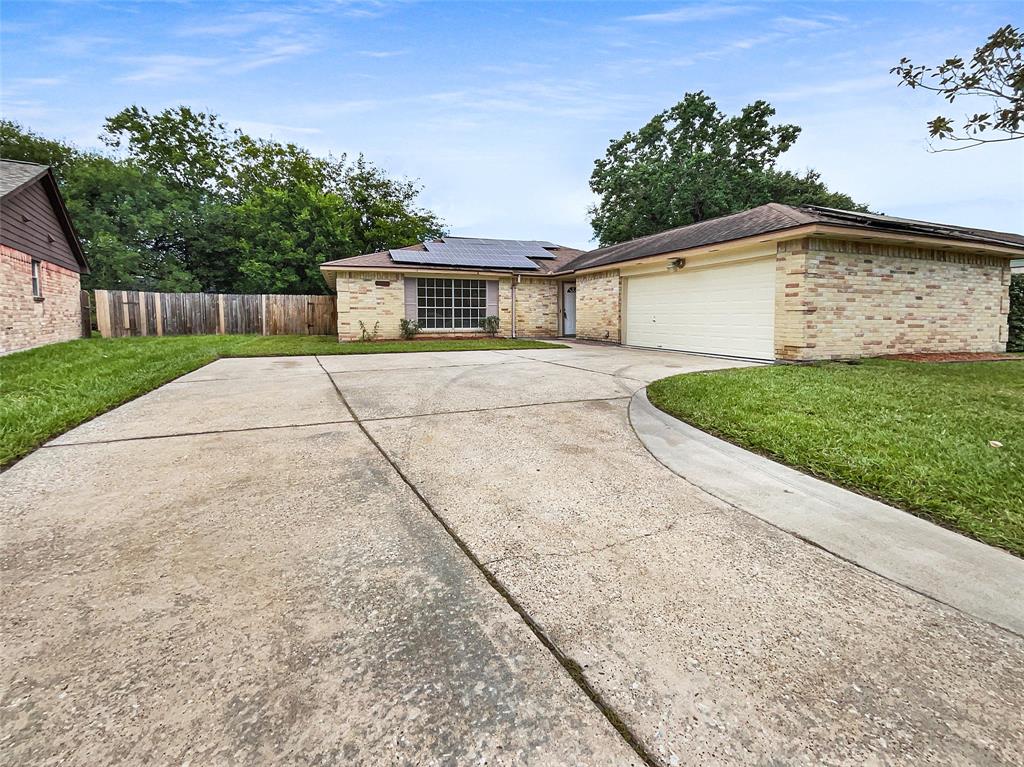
[(382, 211), (691, 163), (19, 143), (284, 234), (995, 73), (132, 226), (192, 149), (185, 203)]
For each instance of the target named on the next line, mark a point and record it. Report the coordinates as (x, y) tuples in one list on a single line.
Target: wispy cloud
[(267, 52), (168, 67), (381, 54), (700, 12), (834, 88), (77, 45), (237, 25), (267, 129)]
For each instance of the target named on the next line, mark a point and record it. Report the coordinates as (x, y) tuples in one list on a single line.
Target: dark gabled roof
[(775, 217), (16, 175), (383, 260)]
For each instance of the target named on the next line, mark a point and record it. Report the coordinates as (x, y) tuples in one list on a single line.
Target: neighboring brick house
[(775, 283), (41, 260)]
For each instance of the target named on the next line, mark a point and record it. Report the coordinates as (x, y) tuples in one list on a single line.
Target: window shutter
[(411, 312), (492, 298)]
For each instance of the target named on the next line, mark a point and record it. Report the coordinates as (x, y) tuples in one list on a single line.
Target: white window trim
[(449, 285), (37, 279)]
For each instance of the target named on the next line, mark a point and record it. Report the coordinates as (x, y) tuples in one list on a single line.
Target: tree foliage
[(182, 202), (691, 163), (995, 73)]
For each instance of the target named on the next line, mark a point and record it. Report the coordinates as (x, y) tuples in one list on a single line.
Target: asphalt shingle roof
[(14, 174), (775, 217)]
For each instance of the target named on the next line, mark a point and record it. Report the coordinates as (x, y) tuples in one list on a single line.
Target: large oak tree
[(692, 163)]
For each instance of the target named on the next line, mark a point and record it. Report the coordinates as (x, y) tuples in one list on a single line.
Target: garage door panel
[(728, 309)]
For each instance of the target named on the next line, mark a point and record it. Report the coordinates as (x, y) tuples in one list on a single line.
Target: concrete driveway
[(460, 558)]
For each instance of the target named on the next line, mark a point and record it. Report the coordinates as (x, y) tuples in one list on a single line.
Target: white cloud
[(273, 130), (168, 67), (832, 88), (700, 12), (381, 54)]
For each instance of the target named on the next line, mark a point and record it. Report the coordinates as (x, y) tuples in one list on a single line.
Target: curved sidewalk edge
[(978, 579)]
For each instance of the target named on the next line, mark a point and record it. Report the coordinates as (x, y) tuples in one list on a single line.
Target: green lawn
[(915, 435), (46, 391)]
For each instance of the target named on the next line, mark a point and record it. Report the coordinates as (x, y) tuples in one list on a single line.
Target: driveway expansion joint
[(191, 434), (572, 668)]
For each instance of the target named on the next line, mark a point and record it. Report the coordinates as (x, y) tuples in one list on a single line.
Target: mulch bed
[(954, 357)]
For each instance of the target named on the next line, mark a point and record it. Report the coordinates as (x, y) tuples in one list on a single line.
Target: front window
[(37, 282), (455, 304)]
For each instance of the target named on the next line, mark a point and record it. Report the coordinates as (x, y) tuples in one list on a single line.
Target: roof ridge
[(24, 162), (790, 211)]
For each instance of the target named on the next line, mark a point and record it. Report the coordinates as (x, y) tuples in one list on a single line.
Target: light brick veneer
[(838, 299), (360, 298), (537, 307), (25, 322), (598, 300)]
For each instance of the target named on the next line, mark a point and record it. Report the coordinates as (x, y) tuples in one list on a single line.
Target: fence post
[(220, 314), (126, 316), (103, 313), (263, 314), (158, 311)]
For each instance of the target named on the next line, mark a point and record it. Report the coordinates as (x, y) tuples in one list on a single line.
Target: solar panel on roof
[(480, 259), (528, 248)]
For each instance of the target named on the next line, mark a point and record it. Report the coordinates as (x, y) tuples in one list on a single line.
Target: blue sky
[(500, 109)]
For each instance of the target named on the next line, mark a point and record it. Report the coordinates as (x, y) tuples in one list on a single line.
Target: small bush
[(1016, 340), (368, 335), (408, 329), (490, 325)]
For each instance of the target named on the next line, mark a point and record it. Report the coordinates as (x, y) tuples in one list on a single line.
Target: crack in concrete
[(581, 552), (499, 407), (425, 367), (620, 379)]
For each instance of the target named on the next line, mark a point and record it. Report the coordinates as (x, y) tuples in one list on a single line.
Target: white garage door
[(727, 309)]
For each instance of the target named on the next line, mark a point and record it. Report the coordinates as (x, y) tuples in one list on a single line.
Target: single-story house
[(41, 260), (776, 282)]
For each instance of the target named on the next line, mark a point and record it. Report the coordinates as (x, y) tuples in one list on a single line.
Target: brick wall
[(361, 298), (837, 299), (597, 306), (25, 322), (537, 308), (505, 306)]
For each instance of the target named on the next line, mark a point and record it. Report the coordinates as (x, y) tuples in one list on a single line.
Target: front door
[(568, 308)]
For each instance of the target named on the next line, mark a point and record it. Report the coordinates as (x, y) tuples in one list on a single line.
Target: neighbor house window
[(455, 304), (37, 282)]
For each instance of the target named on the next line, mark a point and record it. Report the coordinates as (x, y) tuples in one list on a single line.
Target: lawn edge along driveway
[(50, 389), (915, 435)]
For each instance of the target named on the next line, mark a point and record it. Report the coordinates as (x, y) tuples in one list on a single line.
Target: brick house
[(775, 282), (41, 260)]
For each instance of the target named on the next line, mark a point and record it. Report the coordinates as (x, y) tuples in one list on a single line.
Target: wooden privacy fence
[(136, 313)]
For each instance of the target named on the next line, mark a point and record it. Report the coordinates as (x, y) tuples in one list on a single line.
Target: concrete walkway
[(450, 559), (980, 580)]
